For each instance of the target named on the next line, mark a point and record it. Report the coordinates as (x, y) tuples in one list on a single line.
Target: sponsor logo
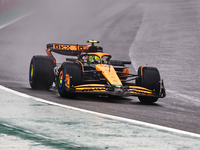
[(68, 47)]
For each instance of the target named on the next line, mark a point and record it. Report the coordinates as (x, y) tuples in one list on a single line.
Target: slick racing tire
[(41, 74), (149, 78), (116, 63), (75, 73)]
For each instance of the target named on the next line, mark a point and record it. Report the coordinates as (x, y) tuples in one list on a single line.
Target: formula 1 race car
[(93, 71)]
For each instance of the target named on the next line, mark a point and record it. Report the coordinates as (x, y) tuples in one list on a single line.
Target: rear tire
[(150, 79), (75, 73), (41, 74)]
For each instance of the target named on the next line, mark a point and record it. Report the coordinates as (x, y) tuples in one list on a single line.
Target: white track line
[(101, 114), (15, 20)]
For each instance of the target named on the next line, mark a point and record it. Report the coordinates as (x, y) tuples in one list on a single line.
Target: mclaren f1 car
[(90, 70)]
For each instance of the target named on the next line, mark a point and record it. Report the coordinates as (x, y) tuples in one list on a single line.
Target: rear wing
[(71, 49), (67, 49)]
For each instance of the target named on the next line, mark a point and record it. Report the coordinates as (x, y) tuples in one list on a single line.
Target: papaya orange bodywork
[(109, 73), (50, 55), (99, 54), (67, 79)]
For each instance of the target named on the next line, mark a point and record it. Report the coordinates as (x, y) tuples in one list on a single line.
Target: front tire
[(149, 78), (75, 73), (41, 75)]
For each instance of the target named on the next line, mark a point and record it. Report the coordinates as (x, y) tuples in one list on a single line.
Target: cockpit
[(95, 58)]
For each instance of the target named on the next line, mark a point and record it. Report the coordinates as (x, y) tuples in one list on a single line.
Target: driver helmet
[(94, 59)]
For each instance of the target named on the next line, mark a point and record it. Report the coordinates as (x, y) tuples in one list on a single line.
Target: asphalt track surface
[(159, 33)]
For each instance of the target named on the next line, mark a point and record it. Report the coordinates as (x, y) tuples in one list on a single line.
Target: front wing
[(118, 91)]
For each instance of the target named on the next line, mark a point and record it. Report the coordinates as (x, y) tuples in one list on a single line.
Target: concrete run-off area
[(28, 124)]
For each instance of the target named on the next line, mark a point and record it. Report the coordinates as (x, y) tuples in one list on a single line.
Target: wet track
[(162, 34)]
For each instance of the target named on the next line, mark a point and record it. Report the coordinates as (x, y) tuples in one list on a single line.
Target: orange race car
[(93, 71)]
